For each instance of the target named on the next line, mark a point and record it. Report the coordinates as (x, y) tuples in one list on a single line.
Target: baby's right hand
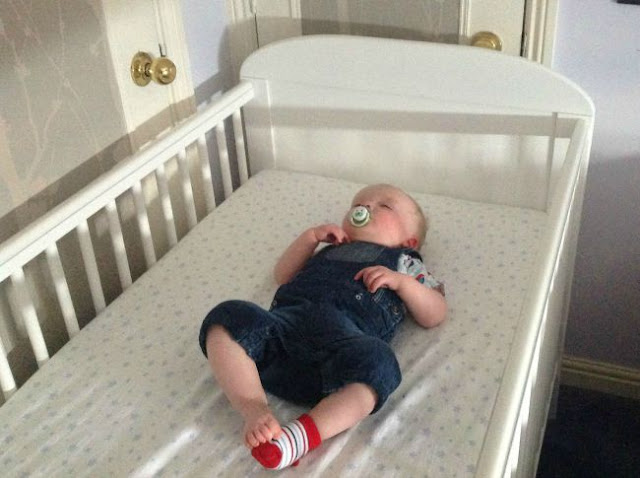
[(331, 233)]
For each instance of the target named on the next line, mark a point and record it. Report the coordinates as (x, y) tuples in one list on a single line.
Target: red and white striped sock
[(298, 438)]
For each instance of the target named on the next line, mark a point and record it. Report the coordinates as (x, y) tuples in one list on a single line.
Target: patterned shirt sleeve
[(414, 267)]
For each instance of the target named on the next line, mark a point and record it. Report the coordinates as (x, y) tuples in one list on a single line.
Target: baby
[(325, 340)]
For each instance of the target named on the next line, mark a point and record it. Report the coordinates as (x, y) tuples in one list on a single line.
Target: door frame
[(539, 31), (539, 28)]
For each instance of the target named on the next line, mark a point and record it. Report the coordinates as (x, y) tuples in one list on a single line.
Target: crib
[(494, 148)]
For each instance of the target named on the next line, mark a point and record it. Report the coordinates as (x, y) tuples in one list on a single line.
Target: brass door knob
[(487, 40), (144, 68)]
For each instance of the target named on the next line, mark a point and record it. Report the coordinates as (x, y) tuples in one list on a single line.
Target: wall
[(61, 126), (53, 120), (205, 24), (598, 46)]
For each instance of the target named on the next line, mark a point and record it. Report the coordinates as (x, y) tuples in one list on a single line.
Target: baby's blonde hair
[(422, 223)]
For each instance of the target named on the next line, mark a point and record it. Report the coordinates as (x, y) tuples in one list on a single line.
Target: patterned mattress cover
[(132, 394)]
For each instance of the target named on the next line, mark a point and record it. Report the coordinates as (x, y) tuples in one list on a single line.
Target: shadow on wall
[(605, 309)]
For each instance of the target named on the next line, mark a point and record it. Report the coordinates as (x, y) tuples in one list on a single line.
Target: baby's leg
[(237, 375), (343, 409), (369, 368), (335, 413)]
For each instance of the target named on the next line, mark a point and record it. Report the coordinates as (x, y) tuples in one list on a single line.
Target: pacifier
[(360, 216)]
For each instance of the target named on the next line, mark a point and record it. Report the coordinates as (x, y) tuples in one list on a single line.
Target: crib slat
[(91, 266), (550, 152), (223, 152), (143, 225), (241, 147), (167, 209), (205, 171), (7, 382), (27, 311), (187, 190), (62, 290), (117, 240)]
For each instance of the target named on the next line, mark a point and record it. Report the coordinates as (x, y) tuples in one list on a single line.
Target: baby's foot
[(260, 426), (298, 438)]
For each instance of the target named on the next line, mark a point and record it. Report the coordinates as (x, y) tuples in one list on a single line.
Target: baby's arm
[(300, 250), (427, 306)]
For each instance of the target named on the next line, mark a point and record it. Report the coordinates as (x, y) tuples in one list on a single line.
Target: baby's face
[(393, 220)]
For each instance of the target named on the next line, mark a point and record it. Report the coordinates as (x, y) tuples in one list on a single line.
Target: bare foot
[(260, 426)]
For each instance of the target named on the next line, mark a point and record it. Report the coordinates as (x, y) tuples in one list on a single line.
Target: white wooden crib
[(494, 148)]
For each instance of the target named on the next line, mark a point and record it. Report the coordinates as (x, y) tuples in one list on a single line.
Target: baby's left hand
[(379, 276)]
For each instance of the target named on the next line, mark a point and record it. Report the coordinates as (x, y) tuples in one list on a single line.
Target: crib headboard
[(436, 118)]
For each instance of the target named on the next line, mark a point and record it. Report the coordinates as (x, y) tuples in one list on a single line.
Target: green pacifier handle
[(360, 216)]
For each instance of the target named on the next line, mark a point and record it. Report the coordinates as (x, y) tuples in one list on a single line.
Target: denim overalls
[(324, 329)]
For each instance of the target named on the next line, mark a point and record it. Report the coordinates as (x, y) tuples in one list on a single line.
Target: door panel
[(155, 27), (429, 20)]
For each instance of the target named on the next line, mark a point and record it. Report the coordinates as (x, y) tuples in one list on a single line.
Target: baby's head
[(395, 220)]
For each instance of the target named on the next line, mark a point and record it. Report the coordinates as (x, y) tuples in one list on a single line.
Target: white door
[(451, 21), (154, 27)]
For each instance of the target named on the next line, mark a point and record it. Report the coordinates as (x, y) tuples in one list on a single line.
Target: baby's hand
[(379, 276), (331, 233)]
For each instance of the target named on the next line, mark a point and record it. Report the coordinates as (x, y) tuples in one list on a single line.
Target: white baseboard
[(600, 376)]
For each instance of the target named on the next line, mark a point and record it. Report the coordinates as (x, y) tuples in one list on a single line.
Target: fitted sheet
[(132, 395)]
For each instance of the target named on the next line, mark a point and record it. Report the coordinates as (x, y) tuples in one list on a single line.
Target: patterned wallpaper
[(61, 123)]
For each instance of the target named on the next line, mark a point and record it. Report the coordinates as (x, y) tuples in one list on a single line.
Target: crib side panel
[(452, 74), (497, 156), (516, 428), (91, 246)]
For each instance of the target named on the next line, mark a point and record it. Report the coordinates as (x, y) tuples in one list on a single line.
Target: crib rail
[(514, 438), (73, 216)]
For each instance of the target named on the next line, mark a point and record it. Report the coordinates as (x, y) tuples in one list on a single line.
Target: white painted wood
[(187, 190), (27, 312), (308, 118), (539, 30), (35, 238), (241, 147), (62, 290), (148, 26), (91, 266), (143, 224), (167, 208), (503, 431), (205, 171), (42, 235), (7, 382), (223, 155), (483, 81), (117, 241)]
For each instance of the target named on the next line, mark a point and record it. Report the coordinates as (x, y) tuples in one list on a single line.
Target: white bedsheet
[(132, 394)]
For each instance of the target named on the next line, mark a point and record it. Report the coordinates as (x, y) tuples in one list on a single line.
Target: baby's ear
[(411, 243)]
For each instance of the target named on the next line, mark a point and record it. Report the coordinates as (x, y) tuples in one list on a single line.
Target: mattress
[(132, 395)]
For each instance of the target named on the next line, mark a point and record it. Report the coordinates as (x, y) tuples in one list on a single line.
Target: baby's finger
[(377, 283), (363, 274)]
